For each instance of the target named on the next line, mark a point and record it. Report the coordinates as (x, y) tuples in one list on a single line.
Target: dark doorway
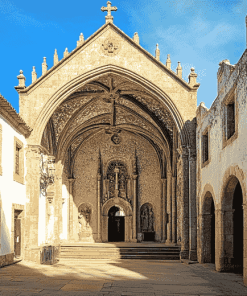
[(115, 225), (208, 230), (17, 233), (238, 229)]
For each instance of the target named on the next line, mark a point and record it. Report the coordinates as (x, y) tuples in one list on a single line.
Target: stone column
[(164, 209), (174, 211), (33, 158), (192, 207), (200, 254), (136, 222), (219, 240), (185, 205), (169, 207), (99, 208), (58, 223), (245, 244), (71, 210)]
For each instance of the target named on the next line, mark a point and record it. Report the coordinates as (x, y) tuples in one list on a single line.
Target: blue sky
[(198, 33)]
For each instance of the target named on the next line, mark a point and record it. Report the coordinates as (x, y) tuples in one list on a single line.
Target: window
[(17, 159), (230, 118), (18, 175), (205, 147)]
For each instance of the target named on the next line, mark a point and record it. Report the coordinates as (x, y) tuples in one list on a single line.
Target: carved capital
[(50, 196)]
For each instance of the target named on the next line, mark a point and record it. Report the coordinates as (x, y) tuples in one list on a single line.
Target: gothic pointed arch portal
[(116, 138)]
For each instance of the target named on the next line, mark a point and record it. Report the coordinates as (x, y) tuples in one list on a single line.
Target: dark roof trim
[(9, 113)]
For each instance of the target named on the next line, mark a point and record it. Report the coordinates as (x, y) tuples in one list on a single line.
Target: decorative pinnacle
[(109, 9), (44, 66), (34, 75), (157, 52), (136, 38), (55, 58), (168, 62), (66, 53), (81, 40), (179, 70), (21, 79)]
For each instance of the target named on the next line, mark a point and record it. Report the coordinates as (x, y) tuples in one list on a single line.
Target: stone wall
[(86, 165)]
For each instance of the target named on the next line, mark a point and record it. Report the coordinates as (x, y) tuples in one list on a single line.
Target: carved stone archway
[(118, 202)]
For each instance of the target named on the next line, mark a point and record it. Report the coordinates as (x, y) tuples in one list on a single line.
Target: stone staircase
[(119, 251)]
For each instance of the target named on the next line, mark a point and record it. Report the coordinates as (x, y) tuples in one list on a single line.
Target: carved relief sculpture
[(84, 218), (147, 218)]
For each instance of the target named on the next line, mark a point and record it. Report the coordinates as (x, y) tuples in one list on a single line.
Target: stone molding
[(240, 175), (208, 188)]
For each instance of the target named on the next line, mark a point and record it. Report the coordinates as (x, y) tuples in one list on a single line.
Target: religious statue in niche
[(84, 218), (116, 181), (147, 218)]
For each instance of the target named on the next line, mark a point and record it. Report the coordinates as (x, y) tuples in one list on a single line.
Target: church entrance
[(116, 224)]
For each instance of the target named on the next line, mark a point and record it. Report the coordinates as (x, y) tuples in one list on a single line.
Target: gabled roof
[(10, 114), (150, 56)]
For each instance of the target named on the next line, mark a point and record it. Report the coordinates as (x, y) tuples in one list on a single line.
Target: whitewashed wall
[(10, 190)]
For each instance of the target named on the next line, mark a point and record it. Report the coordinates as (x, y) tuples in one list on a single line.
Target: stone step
[(108, 252)]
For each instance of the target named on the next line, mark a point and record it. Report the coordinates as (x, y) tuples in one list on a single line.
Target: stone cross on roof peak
[(109, 8)]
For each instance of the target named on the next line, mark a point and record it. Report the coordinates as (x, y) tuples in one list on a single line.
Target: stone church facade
[(118, 149)]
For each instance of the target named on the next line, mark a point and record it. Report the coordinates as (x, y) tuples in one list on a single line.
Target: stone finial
[(44, 66), (157, 52), (168, 62), (179, 70), (192, 77), (66, 53), (81, 40), (55, 58), (21, 79), (136, 38), (34, 75)]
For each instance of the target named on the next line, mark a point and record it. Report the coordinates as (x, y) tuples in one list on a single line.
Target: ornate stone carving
[(97, 107), (115, 183), (157, 109), (64, 112), (116, 139), (84, 218), (147, 218), (110, 46)]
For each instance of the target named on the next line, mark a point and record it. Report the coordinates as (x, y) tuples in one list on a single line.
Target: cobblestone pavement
[(120, 277)]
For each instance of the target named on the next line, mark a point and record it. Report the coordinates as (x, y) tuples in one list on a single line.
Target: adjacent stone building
[(119, 151), (221, 171)]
